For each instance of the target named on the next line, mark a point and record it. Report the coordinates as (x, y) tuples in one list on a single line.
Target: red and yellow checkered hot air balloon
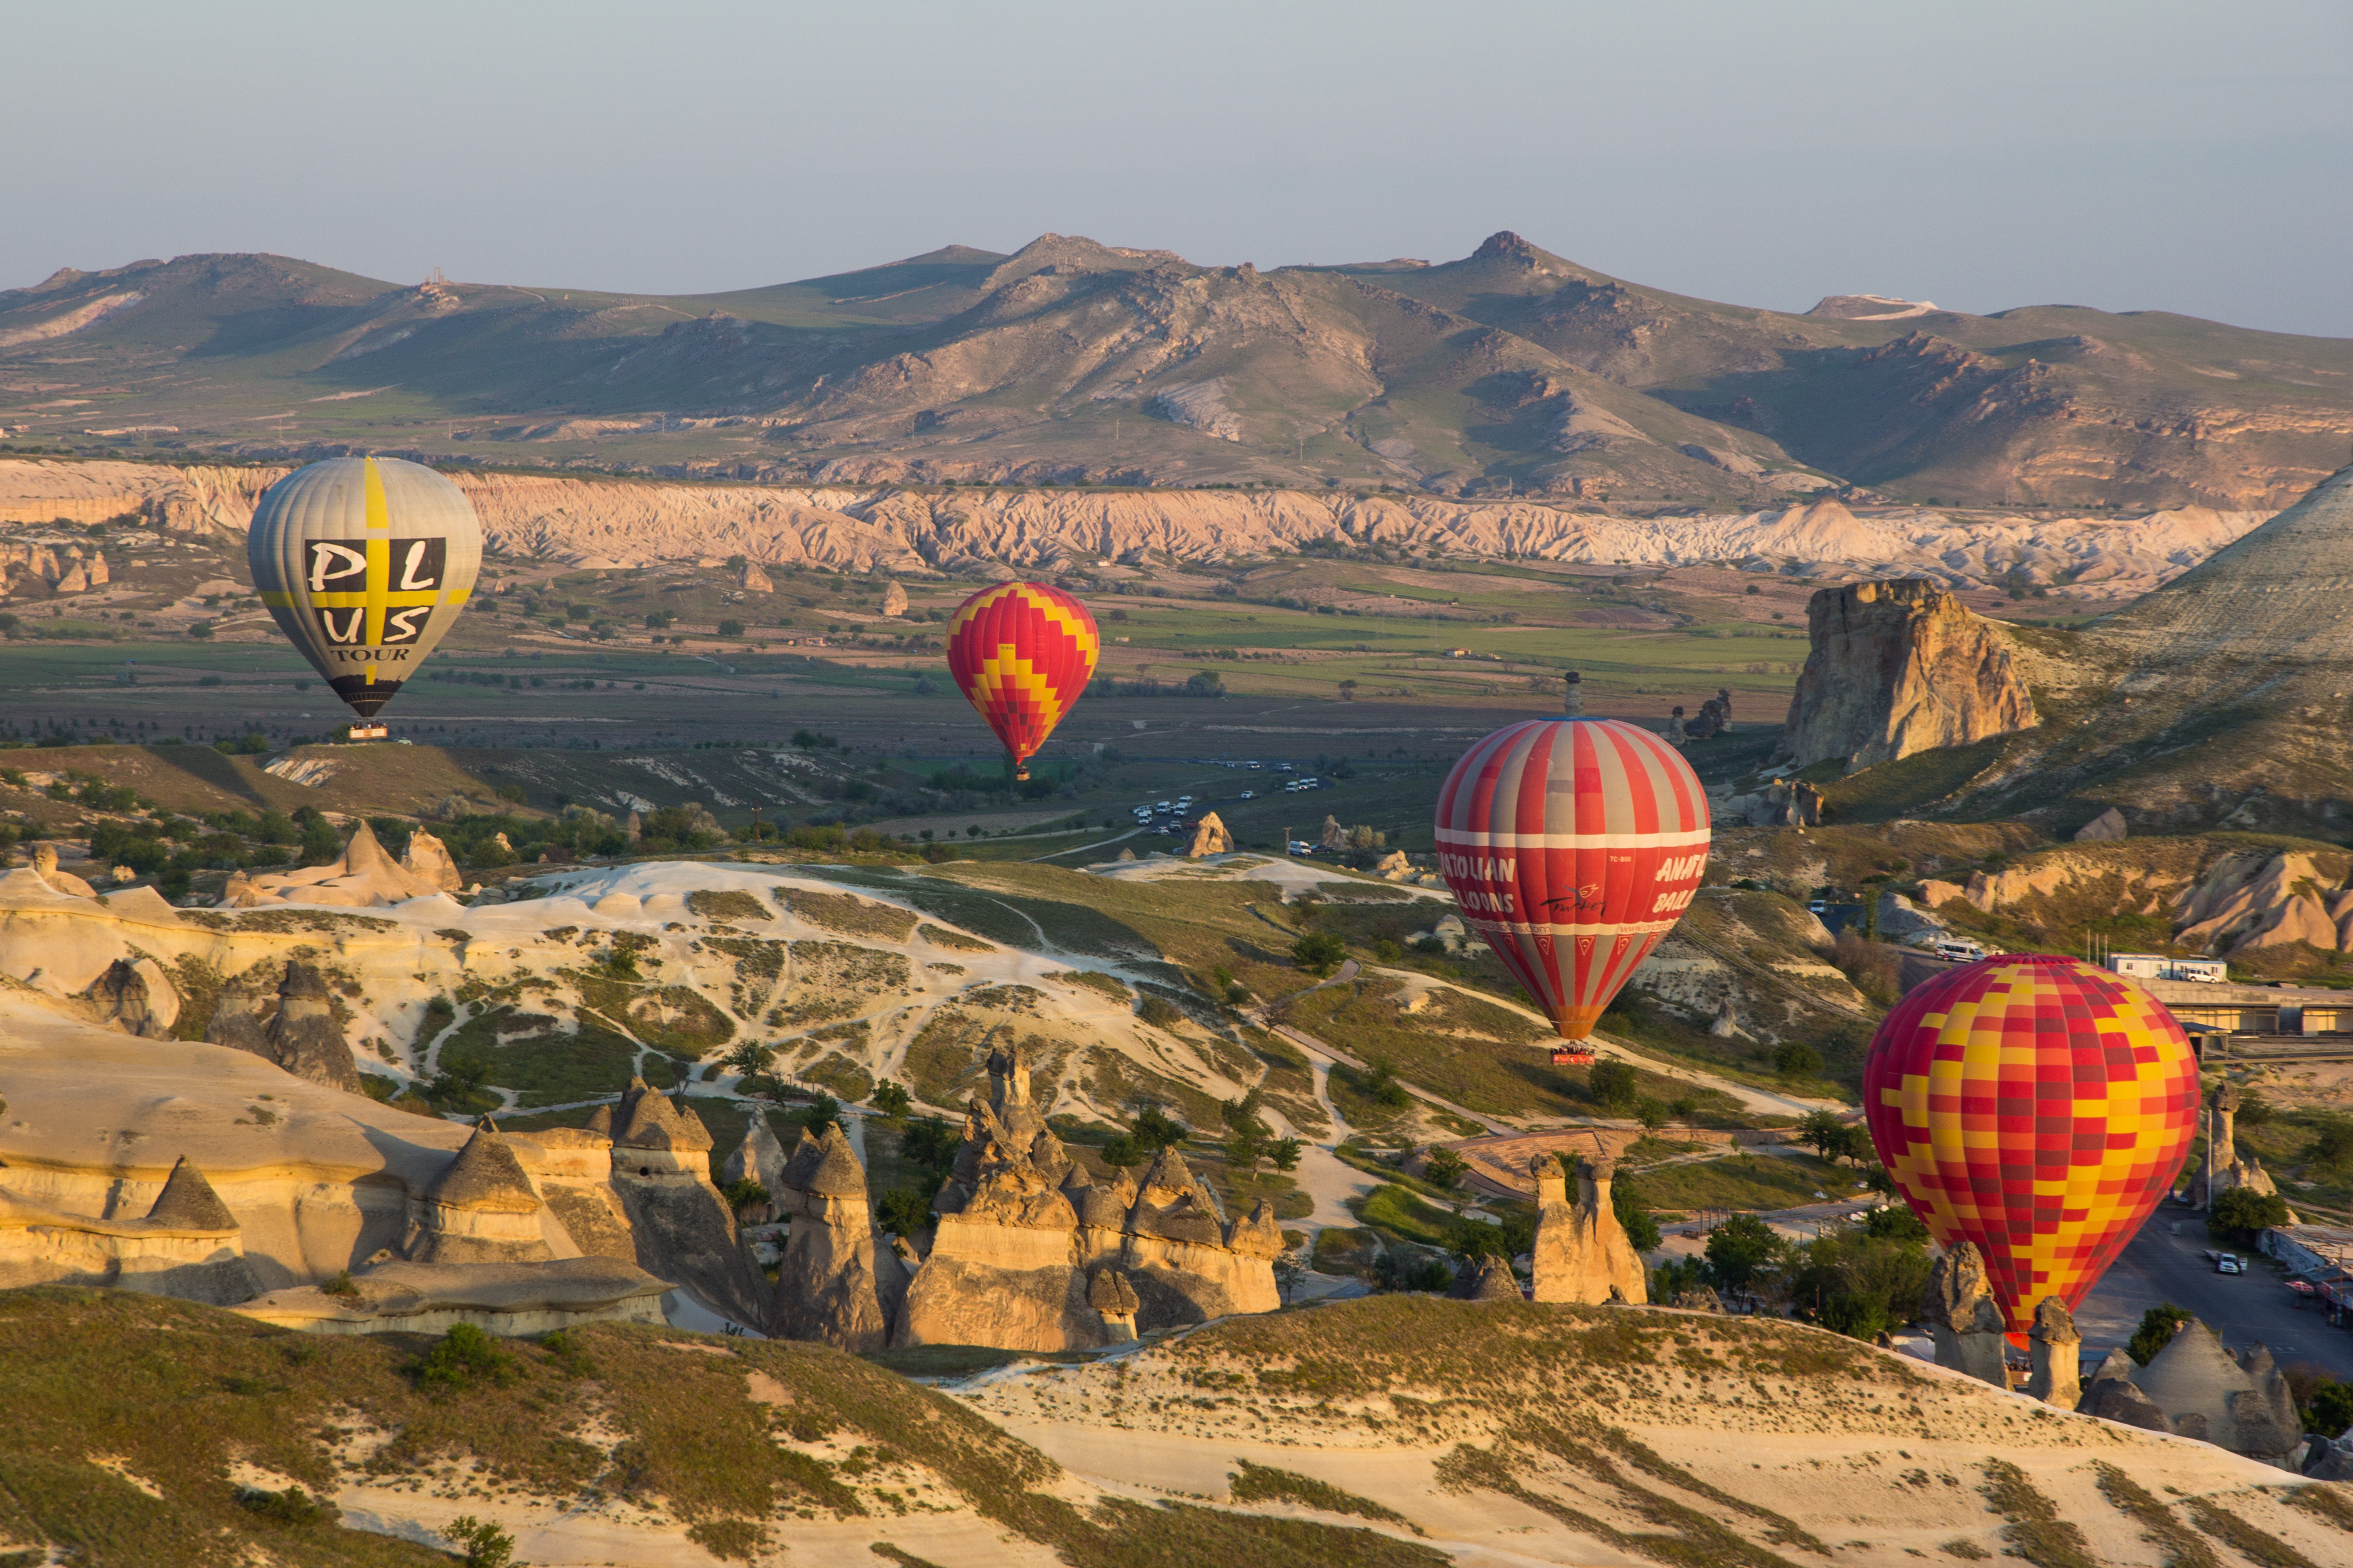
[(1022, 653), (2038, 1107)]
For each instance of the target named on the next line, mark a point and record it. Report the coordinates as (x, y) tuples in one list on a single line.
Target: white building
[(2156, 967)]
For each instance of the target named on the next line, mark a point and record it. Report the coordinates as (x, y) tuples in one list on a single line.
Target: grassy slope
[(173, 1393)]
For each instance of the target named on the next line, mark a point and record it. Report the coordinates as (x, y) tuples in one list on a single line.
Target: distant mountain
[(1509, 372)]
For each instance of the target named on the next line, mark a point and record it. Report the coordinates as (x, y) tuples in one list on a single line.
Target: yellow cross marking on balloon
[(377, 596)]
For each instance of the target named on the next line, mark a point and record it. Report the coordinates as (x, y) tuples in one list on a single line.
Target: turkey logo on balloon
[(1022, 654), (364, 563), (2038, 1107), (1572, 845)]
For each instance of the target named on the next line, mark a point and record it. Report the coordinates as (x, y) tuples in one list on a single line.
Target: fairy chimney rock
[(1113, 1300), (1963, 1317), (1581, 1252), (894, 600), (2054, 1347), (1209, 837), (755, 581), (304, 1037), (481, 1208)]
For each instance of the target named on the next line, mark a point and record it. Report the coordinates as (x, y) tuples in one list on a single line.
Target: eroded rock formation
[(2195, 1388), (1022, 1229), (481, 1209), (679, 1223), (2053, 1350), (187, 1245), (839, 1281), (1209, 837), (1581, 1252), (2231, 1169), (1963, 1317), (1897, 669)]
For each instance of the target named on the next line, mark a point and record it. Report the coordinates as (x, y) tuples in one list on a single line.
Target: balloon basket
[(1572, 1055), (364, 732)]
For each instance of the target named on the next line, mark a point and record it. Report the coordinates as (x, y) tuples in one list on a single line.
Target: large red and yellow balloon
[(1022, 654), (1573, 845), (2035, 1106)]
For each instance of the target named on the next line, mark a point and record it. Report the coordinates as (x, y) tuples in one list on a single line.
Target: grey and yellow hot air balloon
[(365, 563)]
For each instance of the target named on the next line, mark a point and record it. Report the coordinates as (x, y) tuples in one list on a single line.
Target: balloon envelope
[(365, 563), (1572, 845), (2038, 1107), (1022, 653)]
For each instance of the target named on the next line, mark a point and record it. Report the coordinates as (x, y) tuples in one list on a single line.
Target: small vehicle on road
[(1249, 795), (2229, 1264)]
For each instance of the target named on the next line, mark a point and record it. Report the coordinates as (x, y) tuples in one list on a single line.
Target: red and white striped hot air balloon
[(1574, 845)]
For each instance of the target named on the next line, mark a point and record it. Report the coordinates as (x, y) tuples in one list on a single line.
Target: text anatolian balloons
[(365, 563), (1572, 845), (2038, 1107), (1022, 654)]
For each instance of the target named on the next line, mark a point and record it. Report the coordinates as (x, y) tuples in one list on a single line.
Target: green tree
[(1318, 951), (1156, 1130), (2158, 1327), (892, 1099), (930, 1141), (1614, 1084), (1794, 1059), (2331, 1408), (1650, 1113), (2240, 1214), (820, 1113), (2332, 1144), (1284, 1154), (1381, 1086), (1444, 1168), (1741, 1251)]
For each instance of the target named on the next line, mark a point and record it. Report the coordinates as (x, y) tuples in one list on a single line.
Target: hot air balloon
[(1573, 845), (363, 564), (1022, 653), (2038, 1107)]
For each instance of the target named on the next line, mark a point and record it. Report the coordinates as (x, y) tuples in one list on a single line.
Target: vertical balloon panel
[(1572, 846)]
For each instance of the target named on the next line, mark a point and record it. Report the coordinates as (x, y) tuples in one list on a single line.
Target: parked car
[(2229, 1264), (1249, 795)]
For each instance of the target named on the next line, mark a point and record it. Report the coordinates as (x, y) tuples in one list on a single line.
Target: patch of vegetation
[(729, 904), (850, 915), (2035, 1531), (940, 936), (2181, 1545), (1110, 985)]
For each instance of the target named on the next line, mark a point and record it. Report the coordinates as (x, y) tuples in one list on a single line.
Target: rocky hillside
[(631, 522), (1397, 1432), (1510, 371), (1898, 669)]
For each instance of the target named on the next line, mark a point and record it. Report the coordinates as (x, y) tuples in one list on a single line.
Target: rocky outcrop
[(1781, 803), (188, 1245), (304, 1037), (45, 864), (1487, 1277), (1114, 1302), (837, 1280), (507, 1299), (1897, 669), (752, 580), (2195, 1388), (1963, 1317), (1581, 1252), (680, 1224), (1209, 837), (2054, 1353), (137, 998), (894, 600), (2254, 901), (363, 876), (1023, 1233), (2104, 828)]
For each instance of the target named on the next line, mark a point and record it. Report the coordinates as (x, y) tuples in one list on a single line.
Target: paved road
[(2166, 1262)]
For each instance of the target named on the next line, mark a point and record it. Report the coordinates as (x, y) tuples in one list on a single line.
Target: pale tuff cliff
[(1897, 669), (867, 528)]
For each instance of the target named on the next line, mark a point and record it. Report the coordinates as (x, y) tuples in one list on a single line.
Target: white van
[(1958, 950)]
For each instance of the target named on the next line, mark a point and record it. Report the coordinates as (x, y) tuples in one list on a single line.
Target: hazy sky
[(2127, 154)]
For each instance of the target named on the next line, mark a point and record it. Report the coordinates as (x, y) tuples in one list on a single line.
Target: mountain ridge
[(1508, 371)]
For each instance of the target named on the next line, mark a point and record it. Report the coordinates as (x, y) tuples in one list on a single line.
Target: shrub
[(1381, 1086), (904, 1212), (892, 1099), (1318, 951), (1740, 1250), (1159, 1011), (465, 1356), (1855, 1316), (731, 628), (1794, 1059), (1445, 1169), (1614, 1084), (293, 1506), (483, 1543)]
